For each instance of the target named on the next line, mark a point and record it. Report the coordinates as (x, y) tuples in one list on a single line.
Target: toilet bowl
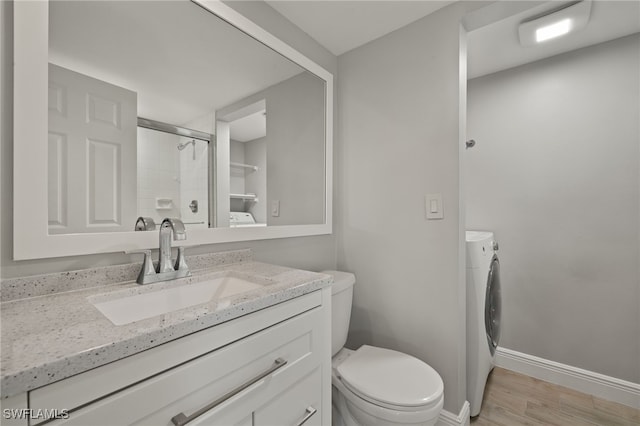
[(376, 386)]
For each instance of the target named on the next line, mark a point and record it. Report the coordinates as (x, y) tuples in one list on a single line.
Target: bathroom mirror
[(103, 98)]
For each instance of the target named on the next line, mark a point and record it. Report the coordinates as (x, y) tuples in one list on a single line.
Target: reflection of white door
[(92, 154)]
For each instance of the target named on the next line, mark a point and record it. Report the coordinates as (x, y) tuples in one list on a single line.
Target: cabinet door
[(298, 405)]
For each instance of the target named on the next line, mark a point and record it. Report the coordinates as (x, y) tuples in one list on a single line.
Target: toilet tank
[(341, 298)]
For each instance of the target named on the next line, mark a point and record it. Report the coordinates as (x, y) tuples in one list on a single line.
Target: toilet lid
[(391, 377)]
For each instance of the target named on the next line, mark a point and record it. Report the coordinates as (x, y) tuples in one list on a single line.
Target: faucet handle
[(181, 264), (147, 265), (145, 224)]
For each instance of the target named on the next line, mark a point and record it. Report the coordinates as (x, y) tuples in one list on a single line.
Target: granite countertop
[(49, 337)]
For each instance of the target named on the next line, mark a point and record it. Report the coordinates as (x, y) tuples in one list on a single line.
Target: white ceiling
[(344, 25), (341, 26), (496, 47), (177, 85)]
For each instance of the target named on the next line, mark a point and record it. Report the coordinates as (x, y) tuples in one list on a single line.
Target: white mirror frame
[(31, 239)]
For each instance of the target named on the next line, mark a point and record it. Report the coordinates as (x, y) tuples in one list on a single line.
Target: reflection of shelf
[(245, 197), (244, 166), (164, 203)]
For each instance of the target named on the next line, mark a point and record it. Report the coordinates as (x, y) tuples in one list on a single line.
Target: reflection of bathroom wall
[(201, 124), (255, 153), (169, 179), (294, 148), (249, 181), (193, 183), (236, 183), (158, 175)]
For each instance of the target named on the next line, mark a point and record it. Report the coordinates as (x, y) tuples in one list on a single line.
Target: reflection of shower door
[(92, 154)]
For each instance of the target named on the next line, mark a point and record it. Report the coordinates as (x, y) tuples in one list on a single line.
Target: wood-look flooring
[(512, 399)]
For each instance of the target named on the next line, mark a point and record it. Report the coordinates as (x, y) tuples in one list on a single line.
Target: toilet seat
[(391, 379)]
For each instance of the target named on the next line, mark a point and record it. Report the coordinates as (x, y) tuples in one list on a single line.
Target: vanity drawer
[(278, 356), (299, 405)]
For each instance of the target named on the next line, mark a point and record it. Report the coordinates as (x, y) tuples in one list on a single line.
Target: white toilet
[(374, 386)]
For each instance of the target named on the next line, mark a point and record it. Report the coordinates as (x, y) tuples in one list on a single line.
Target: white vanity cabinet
[(299, 404), (275, 370)]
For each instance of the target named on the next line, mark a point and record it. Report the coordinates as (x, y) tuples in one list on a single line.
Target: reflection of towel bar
[(245, 166), (246, 197), (193, 223)]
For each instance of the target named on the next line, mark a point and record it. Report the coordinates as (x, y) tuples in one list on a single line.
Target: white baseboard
[(599, 385), (462, 419)]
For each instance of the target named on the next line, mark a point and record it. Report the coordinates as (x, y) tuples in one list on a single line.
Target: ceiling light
[(555, 24), (553, 30)]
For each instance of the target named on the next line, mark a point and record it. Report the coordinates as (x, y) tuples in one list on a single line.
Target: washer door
[(493, 306)]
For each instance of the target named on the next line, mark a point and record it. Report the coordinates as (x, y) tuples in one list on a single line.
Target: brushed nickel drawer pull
[(310, 412), (181, 419)]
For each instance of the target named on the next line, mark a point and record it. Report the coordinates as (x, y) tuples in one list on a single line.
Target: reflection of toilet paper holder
[(145, 224)]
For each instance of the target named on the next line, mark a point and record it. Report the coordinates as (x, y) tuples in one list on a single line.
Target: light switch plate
[(433, 206), (275, 208)]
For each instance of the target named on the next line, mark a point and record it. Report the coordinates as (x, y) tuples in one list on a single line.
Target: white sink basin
[(124, 308)]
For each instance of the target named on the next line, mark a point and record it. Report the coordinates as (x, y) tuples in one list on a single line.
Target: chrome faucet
[(168, 227), (166, 270)]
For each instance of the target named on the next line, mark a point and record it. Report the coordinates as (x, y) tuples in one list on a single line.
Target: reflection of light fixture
[(554, 24)]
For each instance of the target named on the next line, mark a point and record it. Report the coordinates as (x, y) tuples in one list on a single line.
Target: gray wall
[(295, 150), (256, 181), (312, 253), (555, 175), (399, 135), (236, 181)]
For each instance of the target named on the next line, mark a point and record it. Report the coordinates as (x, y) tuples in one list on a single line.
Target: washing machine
[(483, 312)]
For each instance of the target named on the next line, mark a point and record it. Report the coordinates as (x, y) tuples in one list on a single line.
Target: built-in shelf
[(244, 166), (245, 197)]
